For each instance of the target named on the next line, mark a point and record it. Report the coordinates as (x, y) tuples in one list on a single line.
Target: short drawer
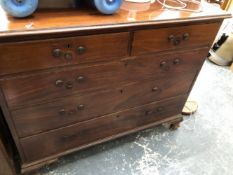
[(147, 41), (46, 87), (78, 135), (28, 56), (63, 112)]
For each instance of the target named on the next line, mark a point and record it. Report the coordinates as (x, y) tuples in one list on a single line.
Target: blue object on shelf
[(24, 8), (19, 8), (107, 6)]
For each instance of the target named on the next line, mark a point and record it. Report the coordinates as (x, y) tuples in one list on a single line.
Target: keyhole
[(121, 91)]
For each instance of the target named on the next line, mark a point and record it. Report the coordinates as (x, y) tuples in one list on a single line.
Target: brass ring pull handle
[(175, 40), (186, 36), (69, 85), (81, 50), (171, 38), (176, 61)]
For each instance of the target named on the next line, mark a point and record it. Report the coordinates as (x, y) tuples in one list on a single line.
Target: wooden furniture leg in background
[(227, 4), (175, 123)]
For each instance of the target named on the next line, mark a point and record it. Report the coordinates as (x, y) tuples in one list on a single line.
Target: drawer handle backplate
[(69, 84), (176, 40), (63, 112)]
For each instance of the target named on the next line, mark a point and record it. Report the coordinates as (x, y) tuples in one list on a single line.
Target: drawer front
[(40, 118), (40, 88), (21, 57), (78, 135), (146, 41)]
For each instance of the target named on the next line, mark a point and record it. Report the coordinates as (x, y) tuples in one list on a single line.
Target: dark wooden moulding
[(72, 79)]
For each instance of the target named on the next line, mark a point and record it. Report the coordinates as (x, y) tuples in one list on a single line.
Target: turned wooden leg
[(174, 124)]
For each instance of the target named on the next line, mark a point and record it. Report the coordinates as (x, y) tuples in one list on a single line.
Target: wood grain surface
[(57, 21), (66, 111), (41, 88), (67, 138), (147, 41), (28, 56)]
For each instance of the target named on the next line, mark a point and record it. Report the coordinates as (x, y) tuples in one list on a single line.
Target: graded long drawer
[(64, 139), (36, 55), (42, 88), (154, 40), (63, 112)]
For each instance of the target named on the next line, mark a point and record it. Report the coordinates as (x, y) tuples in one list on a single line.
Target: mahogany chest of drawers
[(69, 80)]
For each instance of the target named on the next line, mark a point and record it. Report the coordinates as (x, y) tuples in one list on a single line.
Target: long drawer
[(44, 87), (63, 112), (64, 139), (154, 40), (36, 55)]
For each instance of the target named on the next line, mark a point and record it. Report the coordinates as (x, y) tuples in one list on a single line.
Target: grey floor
[(203, 145)]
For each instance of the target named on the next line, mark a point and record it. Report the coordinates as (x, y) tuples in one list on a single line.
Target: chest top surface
[(56, 21)]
